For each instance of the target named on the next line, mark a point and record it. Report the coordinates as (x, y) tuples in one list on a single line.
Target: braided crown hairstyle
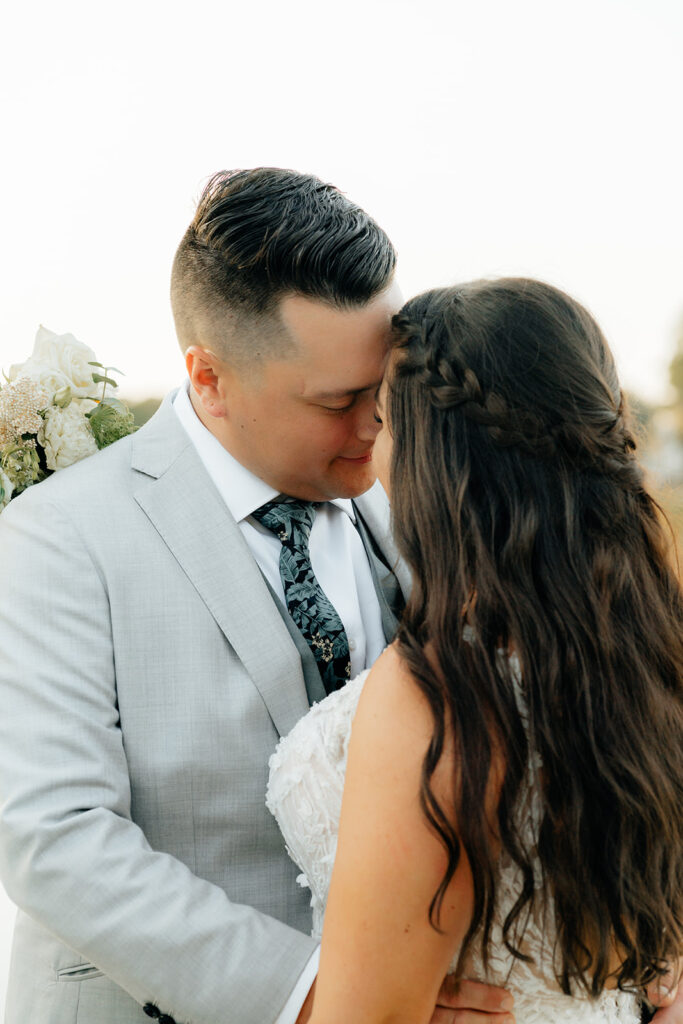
[(539, 533)]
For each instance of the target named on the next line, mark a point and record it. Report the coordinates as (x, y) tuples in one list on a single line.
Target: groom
[(152, 654)]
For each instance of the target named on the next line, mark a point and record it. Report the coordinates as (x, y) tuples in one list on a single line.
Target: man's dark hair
[(260, 234)]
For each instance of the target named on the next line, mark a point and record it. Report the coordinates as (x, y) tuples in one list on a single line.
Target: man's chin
[(351, 484)]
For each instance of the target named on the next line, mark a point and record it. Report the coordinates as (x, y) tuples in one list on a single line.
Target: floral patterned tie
[(314, 614)]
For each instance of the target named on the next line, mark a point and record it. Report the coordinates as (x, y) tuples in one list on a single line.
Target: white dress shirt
[(338, 560)]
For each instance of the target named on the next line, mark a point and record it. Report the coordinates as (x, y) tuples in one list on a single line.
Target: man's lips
[(360, 460)]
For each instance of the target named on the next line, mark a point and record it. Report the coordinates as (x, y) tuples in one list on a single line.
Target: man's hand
[(471, 1002)]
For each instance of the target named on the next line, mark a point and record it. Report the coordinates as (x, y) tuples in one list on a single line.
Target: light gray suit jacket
[(146, 674)]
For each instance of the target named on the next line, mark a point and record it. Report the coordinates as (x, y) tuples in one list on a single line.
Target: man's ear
[(210, 378)]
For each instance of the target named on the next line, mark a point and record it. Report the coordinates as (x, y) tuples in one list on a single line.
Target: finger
[(474, 995), (442, 1015), (473, 1017)]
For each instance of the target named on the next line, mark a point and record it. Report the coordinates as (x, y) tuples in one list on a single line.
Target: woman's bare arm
[(382, 962)]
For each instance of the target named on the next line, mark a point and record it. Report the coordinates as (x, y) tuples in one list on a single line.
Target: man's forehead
[(310, 319)]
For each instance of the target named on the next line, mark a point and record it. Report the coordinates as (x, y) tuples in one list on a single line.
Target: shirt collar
[(242, 491)]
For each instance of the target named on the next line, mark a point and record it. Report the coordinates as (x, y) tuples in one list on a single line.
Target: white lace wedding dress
[(304, 794)]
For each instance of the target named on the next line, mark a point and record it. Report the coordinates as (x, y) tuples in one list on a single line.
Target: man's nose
[(367, 427)]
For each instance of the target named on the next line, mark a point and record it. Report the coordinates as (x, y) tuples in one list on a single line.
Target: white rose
[(66, 435), (57, 361), (7, 487)]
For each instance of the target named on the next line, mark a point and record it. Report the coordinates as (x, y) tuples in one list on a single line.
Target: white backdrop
[(488, 137)]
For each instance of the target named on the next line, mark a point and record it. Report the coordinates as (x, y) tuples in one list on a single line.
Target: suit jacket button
[(165, 1019), (151, 1010)]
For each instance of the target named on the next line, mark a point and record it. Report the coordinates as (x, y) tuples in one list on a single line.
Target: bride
[(512, 787)]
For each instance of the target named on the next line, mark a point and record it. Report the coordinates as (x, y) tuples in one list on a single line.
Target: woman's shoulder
[(392, 691), (394, 726)]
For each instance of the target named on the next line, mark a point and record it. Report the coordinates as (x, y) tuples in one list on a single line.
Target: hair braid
[(608, 449)]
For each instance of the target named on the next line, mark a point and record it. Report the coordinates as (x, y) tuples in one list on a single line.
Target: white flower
[(66, 435), (58, 361), (7, 488)]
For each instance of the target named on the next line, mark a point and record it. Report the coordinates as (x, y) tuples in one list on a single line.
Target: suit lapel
[(185, 508), (387, 587)]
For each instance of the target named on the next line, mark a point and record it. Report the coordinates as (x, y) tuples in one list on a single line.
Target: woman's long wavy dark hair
[(521, 509)]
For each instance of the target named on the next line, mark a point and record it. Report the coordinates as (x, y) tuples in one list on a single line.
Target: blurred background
[(488, 137)]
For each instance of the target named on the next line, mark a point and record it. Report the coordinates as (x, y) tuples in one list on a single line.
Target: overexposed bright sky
[(487, 137)]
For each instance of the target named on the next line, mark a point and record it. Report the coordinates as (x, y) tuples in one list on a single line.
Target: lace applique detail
[(305, 789)]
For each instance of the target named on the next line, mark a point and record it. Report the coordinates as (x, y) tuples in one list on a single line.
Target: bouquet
[(49, 415)]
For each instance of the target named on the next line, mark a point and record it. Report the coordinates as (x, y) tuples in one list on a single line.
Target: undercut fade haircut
[(258, 235)]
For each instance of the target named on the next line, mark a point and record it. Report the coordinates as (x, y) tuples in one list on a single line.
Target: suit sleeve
[(70, 855)]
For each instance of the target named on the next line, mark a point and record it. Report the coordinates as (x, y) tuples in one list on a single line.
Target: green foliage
[(110, 421), (21, 462), (104, 379), (107, 368), (99, 378)]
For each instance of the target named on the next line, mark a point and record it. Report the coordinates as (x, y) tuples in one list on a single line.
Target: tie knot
[(290, 518)]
